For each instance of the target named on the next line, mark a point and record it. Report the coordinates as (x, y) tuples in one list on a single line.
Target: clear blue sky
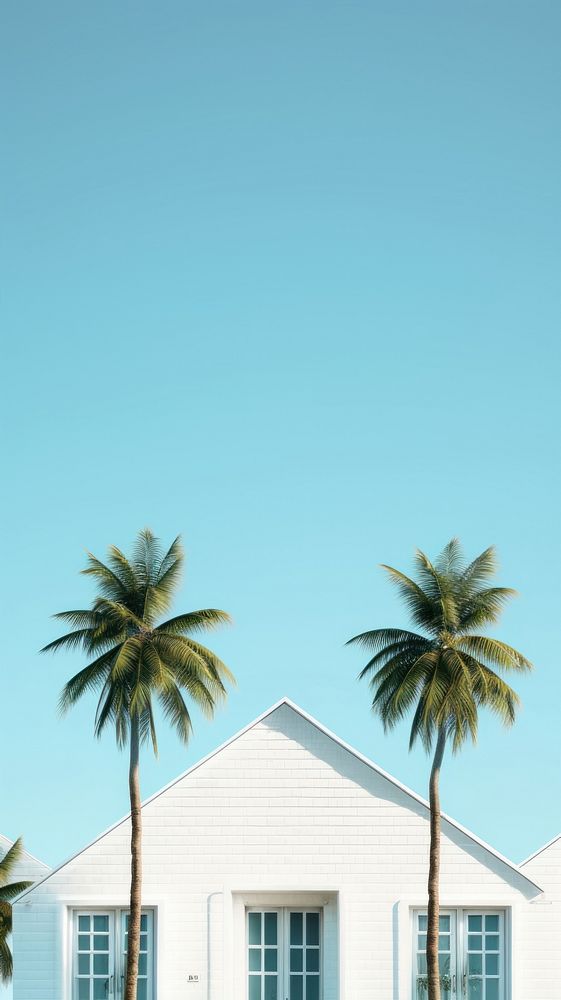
[(282, 277)]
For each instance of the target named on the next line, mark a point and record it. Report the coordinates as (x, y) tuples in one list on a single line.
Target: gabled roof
[(6, 843), (550, 843), (336, 739)]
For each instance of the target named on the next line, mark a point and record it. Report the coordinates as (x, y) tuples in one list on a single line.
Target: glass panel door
[(446, 956), (484, 955), (94, 956), (283, 954), (263, 954), (145, 956), (303, 954)]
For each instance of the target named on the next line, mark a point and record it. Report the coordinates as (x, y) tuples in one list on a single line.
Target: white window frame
[(116, 975), (460, 916), (283, 945)]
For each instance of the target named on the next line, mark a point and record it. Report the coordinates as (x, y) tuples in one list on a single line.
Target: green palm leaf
[(8, 892), (493, 651), (448, 600)]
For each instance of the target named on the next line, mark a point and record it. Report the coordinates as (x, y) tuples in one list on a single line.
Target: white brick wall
[(282, 813)]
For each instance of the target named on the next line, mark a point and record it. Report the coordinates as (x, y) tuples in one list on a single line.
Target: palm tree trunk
[(433, 971), (136, 865)]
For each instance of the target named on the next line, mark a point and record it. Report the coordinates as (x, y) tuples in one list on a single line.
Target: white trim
[(25, 854), (540, 850), (336, 739)]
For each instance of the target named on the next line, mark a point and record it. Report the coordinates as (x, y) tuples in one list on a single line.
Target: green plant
[(443, 674), (138, 661), (8, 892)]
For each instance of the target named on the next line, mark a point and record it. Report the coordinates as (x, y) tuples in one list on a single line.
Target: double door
[(100, 955), (471, 954), (284, 954)]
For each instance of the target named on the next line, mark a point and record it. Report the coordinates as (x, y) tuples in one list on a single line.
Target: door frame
[(283, 912), (460, 915), (116, 916)]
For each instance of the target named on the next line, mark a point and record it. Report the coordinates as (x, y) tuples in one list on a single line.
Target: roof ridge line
[(540, 850)]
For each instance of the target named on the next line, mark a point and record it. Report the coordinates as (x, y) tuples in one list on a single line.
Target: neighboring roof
[(336, 739), (6, 843), (550, 843)]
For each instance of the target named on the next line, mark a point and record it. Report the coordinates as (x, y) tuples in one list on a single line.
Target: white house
[(287, 866), (28, 869)]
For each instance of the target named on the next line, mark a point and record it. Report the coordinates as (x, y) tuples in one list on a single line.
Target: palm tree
[(445, 673), (135, 663), (8, 892)]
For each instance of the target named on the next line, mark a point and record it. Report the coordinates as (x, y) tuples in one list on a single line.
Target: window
[(471, 955), (283, 954), (100, 952)]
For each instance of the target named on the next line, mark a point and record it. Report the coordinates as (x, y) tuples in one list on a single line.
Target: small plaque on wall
[(193, 978)]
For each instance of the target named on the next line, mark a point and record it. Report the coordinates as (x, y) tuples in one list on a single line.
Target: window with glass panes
[(284, 954), (471, 952), (94, 937), (100, 949), (484, 954), (446, 955)]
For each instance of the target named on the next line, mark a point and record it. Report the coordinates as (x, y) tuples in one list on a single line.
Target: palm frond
[(147, 557), (484, 607), (80, 619), (441, 590), (195, 621), (123, 570), (14, 889), (393, 701), (174, 556), (147, 729), (493, 692), (384, 662), (420, 606), (378, 638), (6, 961), (10, 859), (451, 561), (493, 651), (72, 640), (118, 615), (107, 581), (113, 706), (126, 662), (90, 678), (483, 568), (195, 657), (175, 710), (160, 593)]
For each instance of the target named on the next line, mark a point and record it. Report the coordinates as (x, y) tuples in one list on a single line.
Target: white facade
[(28, 869), (285, 865), (544, 960)]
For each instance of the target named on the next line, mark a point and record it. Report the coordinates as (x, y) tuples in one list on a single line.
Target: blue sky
[(283, 278)]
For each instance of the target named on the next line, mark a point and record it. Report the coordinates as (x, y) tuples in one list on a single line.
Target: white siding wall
[(542, 954), (283, 813)]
